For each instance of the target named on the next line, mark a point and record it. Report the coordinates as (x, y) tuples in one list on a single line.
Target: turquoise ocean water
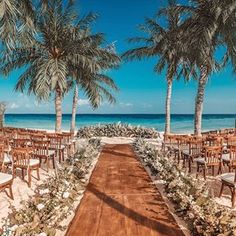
[(180, 123)]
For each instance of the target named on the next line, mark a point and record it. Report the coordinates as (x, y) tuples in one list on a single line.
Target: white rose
[(43, 191), (14, 227), (40, 206), (65, 195), (42, 234)]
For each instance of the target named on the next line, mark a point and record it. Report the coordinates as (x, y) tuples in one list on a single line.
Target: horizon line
[(118, 114)]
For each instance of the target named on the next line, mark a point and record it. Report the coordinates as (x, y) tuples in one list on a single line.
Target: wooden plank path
[(121, 200)]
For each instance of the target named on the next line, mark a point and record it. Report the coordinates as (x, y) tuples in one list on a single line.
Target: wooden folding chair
[(56, 145), (41, 151), (229, 180), (23, 159), (212, 158)]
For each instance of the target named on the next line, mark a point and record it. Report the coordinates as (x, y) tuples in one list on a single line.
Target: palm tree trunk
[(74, 109), (168, 101), (199, 101), (58, 109)]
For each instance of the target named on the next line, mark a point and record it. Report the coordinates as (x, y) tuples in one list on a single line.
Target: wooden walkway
[(120, 200)]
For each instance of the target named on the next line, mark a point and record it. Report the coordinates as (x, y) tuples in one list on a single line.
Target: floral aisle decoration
[(53, 200), (117, 130), (190, 195)]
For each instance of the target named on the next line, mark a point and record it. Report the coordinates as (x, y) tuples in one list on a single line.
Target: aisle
[(121, 200)]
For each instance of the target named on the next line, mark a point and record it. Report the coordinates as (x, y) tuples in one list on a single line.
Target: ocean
[(179, 123)]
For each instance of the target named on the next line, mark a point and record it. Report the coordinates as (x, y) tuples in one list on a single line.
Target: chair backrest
[(5, 140), (231, 141), (214, 141), (21, 156), (23, 143), (2, 152), (213, 154), (183, 142), (232, 155), (41, 148), (66, 137), (37, 137), (196, 147), (23, 135), (55, 141)]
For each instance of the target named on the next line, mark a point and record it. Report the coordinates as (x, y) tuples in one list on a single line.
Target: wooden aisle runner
[(121, 200)]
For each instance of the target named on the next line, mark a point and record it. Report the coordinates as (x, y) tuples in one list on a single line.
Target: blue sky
[(141, 90)]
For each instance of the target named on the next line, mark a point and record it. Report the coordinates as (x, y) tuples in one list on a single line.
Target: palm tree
[(2, 113), (62, 41), (211, 24), (95, 87), (163, 43), (16, 21)]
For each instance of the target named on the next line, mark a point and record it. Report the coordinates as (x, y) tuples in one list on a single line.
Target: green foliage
[(190, 195), (63, 47), (54, 198)]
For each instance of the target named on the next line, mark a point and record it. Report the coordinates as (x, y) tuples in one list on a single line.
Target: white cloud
[(13, 106), (83, 102), (127, 104)]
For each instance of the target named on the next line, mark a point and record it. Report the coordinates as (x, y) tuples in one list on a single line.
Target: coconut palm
[(163, 42), (62, 41), (210, 24), (2, 113), (16, 21)]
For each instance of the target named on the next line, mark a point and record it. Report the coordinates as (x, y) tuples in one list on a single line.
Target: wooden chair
[(230, 141), (68, 143), (6, 180), (23, 159), (5, 158), (21, 143), (212, 158), (213, 141), (56, 145), (37, 137), (23, 135), (194, 151), (229, 159), (169, 142), (229, 180), (41, 151), (183, 147)]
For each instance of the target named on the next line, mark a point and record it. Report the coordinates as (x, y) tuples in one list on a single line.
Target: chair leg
[(23, 173), (189, 164), (29, 178), (10, 192), (204, 172), (233, 198), (53, 162), (213, 171), (197, 170), (221, 189), (38, 176)]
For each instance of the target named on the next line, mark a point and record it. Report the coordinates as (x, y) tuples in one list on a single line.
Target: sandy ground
[(21, 192)]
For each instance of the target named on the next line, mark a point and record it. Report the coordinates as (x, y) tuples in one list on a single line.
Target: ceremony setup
[(117, 118)]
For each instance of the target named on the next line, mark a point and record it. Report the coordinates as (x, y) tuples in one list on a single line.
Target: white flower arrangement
[(66, 195), (40, 207), (43, 213), (190, 195)]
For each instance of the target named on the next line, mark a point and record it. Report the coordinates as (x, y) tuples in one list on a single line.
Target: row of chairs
[(26, 150), (212, 150)]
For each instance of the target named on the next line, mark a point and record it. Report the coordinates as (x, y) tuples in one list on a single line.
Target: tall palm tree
[(62, 41), (163, 42), (209, 25)]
